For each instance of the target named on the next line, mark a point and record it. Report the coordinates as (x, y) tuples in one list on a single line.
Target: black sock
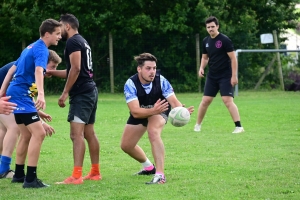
[(31, 174), (238, 124), (19, 173)]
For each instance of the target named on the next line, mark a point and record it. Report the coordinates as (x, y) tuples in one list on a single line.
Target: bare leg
[(155, 126), (93, 143), (232, 108), (131, 135), (11, 136), (206, 101), (38, 134), (77, 137)]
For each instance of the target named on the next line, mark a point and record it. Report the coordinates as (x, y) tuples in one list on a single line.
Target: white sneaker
[(197, 127), (238, 130)]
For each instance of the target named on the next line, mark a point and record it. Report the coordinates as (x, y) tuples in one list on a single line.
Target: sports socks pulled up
[(5, 164)]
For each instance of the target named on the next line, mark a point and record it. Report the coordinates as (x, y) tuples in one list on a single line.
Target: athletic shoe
[(8, 174), (238, 130), (18, 180), (157, 179), (71, 180), (92, 177), (146, 172), (197, 127), (37, 183)]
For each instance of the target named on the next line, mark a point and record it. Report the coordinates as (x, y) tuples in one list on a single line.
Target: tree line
[(166, 29)]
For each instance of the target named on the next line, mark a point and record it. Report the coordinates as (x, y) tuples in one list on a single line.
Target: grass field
[(262, 163)]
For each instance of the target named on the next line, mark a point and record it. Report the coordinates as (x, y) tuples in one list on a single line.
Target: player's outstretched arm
[(174, 102)]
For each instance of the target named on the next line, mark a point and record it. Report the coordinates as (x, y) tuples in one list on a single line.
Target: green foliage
[(165, 28)]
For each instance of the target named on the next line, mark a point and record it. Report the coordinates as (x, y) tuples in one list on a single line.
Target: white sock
[(147, 163)]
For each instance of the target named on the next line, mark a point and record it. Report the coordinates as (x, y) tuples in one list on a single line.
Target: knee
[(125, 147), (206, 102), (153, 136)]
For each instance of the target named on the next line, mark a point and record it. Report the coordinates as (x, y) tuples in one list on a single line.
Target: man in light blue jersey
[(149, 97)]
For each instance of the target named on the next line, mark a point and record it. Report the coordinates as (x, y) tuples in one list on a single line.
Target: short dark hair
[(49, 25), (212, 19), (140, 59), (70, 19)]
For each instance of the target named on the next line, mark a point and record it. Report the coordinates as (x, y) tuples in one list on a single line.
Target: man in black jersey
[(218, 53), (83, 98), (148, 96)]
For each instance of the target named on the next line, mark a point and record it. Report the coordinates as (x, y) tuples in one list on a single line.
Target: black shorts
[(84, 106), (135, 121), (26, 118), (215, 84)]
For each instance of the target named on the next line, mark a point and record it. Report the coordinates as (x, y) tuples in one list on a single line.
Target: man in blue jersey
[(27, 81), (9, 130), (149, 97), (218, 53), (83, 97)]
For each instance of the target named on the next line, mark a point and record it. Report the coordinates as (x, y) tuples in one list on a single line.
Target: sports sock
[(77, 172), (238, 124), (95, 170), (19, 173), (0, 159), (5, 163), (147, 165), (31, 174)]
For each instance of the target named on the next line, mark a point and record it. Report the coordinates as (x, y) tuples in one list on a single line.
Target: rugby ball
[(179, 116)]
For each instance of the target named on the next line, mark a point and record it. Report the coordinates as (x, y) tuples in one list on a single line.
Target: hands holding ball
[(180, 116)]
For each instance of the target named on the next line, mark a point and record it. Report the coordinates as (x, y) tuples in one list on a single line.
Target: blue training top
[(130, 91), (22, 87), (4, 70)]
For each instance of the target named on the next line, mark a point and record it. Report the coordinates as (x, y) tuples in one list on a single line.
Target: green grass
[(262, 163)]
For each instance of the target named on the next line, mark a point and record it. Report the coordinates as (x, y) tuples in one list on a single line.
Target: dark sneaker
[(18, 180), (37, 183), (8, 174), (146, 172), (157, 179)]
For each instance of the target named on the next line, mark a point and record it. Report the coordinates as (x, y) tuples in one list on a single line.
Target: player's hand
[(40, 103), (161, 106), (62, 99), (44, 116), (201, 72), (6, 107), (49, 130), (234, 81), (191, 109)]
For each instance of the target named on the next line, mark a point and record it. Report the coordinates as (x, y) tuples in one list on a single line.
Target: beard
[(64, 36)]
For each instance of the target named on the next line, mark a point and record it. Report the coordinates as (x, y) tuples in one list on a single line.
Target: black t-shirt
[(84, 82), (217, 49)]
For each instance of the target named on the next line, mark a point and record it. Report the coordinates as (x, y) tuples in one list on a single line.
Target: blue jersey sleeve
[(40, 54), (166, 87), (130, 91)]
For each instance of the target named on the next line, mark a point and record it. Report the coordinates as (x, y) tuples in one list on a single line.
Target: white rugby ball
[(179, 116)]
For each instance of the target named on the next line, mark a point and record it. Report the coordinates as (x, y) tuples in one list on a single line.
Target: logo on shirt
[(218, 44), (32, 90), (30, 46), (206, 45)]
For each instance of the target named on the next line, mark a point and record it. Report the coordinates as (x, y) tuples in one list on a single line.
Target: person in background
[(218, 53)]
